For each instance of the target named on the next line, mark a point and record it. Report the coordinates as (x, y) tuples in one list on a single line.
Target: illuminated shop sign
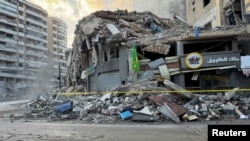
[(212, 59), (194, 60)]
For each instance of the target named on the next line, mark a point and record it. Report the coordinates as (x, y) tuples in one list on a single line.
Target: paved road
[(38, 131)]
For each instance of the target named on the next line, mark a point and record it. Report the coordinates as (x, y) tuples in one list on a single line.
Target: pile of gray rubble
[(140, 106)]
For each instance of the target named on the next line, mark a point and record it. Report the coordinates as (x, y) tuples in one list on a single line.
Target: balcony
[(8, 21), (9, 13), (55, 39), (11, 4), (34, 28), (63, 61), (2, 74), (37, 46), (36, 64), (61, 54), (36, 22), (36, 14), (8, 30), (54, 52), (5, 48), (10, 68), (35, 38)]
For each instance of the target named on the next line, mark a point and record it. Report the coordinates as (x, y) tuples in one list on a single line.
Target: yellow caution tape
[(152, 92)]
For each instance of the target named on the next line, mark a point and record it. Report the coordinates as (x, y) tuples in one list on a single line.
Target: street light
[(59, 77)]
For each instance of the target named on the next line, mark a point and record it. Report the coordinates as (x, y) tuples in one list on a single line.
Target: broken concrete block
[(113, 110), (115, 100), (105, 112), (242, 116), (185, 117), (83, 114), (230, 94), (192, 118), (164, 72), (228, 107), (77, 109), (105, 97), (213, 113), (113, 29), (167, 112), (154, 64), (137, 116), (70, 89), (147, 75), (145, 110)]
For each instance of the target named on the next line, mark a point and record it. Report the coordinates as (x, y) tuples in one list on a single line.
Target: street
[(38, 130)]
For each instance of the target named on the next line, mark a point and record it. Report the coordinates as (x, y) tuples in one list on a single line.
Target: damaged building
[(192, 57), (139, 66)]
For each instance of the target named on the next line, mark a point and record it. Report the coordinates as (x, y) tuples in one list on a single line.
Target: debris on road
[(112, 108)]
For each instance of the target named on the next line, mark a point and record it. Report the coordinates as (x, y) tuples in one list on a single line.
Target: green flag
[(135, 62)]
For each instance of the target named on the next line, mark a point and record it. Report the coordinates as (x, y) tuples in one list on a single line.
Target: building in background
[(162, 8), (27, 36), (23, 45), (212, 13), (57, 47)]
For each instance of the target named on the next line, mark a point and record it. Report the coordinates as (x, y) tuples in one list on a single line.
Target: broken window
[(193, 3), (208, 25), (111, 52), (205, 2)]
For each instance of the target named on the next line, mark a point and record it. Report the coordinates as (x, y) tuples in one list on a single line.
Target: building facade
[(23, 45), (57, 48), (212, 13), (216, 50)]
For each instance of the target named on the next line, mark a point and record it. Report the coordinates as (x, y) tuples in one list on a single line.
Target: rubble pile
[(139, 107)]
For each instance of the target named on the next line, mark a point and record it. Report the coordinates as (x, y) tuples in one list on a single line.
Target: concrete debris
[(167, 112), (144, 107), (143, 117), (192, 118), (230, 94)]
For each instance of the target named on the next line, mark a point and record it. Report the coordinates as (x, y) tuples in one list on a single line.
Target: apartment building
[(208, 15), (212, 13), (23, 46), (57, 47)]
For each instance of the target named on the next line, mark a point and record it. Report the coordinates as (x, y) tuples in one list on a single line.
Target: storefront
[(210, 70)]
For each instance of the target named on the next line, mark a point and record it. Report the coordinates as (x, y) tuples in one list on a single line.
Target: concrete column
[(219, 13), (234, 44), (180, 79)]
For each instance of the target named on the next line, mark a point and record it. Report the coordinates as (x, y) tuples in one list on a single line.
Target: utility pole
[(59, 77)]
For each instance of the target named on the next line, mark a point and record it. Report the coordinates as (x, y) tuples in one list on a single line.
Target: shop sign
[(194, 60), (211, 59), (222, 59)]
